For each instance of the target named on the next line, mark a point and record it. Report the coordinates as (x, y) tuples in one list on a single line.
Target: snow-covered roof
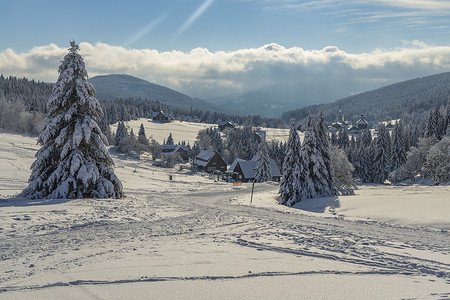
[(205, 155), (225, 123), (354, 128), (233, 165), (174, 147), (164, 113), (275, 169), (169, 147), (202, 163), (248, 167)]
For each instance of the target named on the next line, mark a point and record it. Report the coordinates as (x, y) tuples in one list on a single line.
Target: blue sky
[(354, 26), (223, 42)]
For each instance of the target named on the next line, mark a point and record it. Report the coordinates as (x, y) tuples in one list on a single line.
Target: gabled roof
[(169, 147), (225, 123), (233, 165), (337, 125), (248, 167), (164, 113), (362, 120), (173, 148), (354, 128), (205, 155)]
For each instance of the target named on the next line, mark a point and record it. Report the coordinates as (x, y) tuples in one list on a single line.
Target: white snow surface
[(187, 131), (194, 238)]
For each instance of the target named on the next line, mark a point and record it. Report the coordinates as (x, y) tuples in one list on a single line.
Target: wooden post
[(253, 187)]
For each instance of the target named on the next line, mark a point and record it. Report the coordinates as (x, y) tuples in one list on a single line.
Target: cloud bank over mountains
[(204, 74)]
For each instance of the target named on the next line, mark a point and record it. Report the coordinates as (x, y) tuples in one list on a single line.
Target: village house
[(223, 125), (354, 131), (210, 161), (244, 170), (362, 123), (161, 116), (176, 149), (337, 127)]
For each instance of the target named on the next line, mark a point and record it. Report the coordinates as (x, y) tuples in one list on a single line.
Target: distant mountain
[(405, 100), (116, 86), (273, 100)]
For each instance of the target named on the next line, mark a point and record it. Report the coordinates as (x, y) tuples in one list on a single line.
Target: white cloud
[(205, 74)]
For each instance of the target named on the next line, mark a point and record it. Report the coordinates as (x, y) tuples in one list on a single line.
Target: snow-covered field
[(194, 238), (187, 131)]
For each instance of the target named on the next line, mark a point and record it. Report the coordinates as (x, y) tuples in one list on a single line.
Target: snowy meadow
[(194, 237)]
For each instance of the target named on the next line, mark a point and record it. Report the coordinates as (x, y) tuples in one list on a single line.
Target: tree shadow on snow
[(319, 205), (22, 201)]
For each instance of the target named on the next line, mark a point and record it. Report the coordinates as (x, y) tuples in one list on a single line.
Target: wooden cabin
[(210, 161), (161, 116)]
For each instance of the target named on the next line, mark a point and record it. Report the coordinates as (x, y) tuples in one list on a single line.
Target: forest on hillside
[(23, 104), (408, 100)]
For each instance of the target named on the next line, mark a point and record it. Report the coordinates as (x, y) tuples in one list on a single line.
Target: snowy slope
[(192, 237), (187, 131)]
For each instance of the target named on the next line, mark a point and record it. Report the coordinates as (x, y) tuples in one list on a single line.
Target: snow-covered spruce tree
[(263, 170), (366, 138), (381, 162), (295, 183), (343, 139), (323, 144), (447, 119), (317, 171), (104, 126), (143, 142), (121, 135), (170, 140), (73, 161), (399, 150), (435, 123)]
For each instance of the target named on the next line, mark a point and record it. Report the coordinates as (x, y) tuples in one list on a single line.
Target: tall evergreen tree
[(142, 138), (317, 169), (323, 145), (170, 140), (366, 138), (104, 126), (121, 134), (73, 161), (399, 150), (343, 139), (435, 123), (381, 160), (296, 184), (263, 171), (446, 120)]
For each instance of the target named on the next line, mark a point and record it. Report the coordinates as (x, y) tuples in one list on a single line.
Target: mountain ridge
[(404, 99), (115, 86)]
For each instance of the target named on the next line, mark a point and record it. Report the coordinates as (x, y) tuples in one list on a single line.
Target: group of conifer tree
[(307, 169), (398, 154)]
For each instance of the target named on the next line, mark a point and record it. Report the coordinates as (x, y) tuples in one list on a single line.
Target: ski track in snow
[(118, 226), (38, 238)]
